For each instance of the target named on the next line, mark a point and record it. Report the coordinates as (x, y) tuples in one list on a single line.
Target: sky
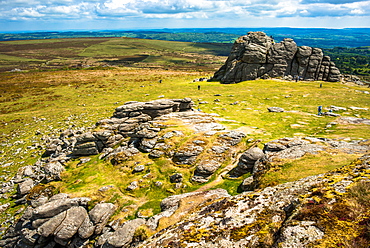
[(62, 15)]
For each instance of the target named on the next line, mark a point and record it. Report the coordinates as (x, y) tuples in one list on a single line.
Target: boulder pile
[(256, 55), (60, 220)]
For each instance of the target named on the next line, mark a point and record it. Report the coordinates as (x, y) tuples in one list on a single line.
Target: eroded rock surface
[(61, 220), (273, 217), (256, 55)]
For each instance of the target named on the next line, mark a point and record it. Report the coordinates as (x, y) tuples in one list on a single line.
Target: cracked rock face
[(60, 220), (256, 55), (266, 218)]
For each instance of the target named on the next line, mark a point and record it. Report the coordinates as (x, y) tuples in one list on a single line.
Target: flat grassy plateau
[(69, 83)]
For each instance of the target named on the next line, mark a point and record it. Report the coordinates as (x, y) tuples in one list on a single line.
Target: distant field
[(95, 52), (315, 37)]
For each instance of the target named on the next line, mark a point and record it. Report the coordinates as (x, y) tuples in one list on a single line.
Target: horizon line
[(137, 29)]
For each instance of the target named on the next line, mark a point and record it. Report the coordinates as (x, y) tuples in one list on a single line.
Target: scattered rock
[(139, 168), (176, 178), (275, 109), (331, 114), (25, 187), (354, 120), (133, 185)]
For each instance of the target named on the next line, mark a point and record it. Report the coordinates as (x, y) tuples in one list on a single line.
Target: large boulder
[(250, 157), (123, 236), (153, 108), (257, 55)]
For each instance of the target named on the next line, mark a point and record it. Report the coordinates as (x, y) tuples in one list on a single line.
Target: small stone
[(139, 168), (134, 185), (275, 109), (176, 178), (158, 183), (105, 188)]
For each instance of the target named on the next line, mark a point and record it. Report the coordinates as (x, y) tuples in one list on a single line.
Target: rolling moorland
[(347, 47), (48, 86)]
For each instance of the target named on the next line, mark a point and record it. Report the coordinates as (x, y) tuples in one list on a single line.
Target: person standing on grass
[(319, 110), (198, 87)]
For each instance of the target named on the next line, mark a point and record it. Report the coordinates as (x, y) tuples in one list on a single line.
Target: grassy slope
[(44, 102)]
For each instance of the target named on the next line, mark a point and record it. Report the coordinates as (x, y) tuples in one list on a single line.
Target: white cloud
[(218, 10)]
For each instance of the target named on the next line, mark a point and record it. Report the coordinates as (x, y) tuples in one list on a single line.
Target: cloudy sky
[(25, 15)]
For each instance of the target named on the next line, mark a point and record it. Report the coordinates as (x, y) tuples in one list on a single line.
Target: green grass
[(306, 166)]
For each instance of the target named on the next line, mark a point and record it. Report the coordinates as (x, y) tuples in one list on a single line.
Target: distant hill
[(314, 37)]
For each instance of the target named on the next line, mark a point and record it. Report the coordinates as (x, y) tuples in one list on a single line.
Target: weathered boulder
[(54, 146), (248, 184), (153, 108), (72, 221), (275, 109), (232, 138), (302, 234), (187, 155), (52, 171), (25, 187), (122, 237), (133, 185), (257, 55), (249, 158), (205, 169), (139, 168), (176, 178), (54, 207), (61, 221), (100, 215)]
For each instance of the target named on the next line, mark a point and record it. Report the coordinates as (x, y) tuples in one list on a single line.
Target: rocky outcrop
[(256, 55), (310, 212), (134, 127), (60, 220), (130, 122)]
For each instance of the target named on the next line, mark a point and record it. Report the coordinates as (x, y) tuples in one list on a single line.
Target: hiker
[(198, 87), (160, 81), (319, 110), (320, 85)]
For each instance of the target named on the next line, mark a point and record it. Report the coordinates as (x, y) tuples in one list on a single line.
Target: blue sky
[(27, 15)]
